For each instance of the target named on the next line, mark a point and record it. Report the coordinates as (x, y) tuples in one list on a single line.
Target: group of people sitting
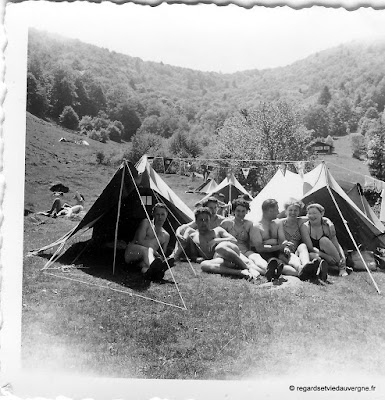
[(301, 246)]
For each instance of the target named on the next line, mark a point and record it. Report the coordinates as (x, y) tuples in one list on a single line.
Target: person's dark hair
[(244, 196), (211, 199), (268, 204), (239, 202), (159, 205), (202, 210)]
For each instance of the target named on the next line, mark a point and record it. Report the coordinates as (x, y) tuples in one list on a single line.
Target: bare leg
[(303, 254), (218, 266), (230, 252), (259, 262), (136, 252), (327, 247), (56, 207)]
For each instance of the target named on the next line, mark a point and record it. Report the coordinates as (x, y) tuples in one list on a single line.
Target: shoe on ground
[(271, 269), (156, 270), (309, 270), (278, 270)]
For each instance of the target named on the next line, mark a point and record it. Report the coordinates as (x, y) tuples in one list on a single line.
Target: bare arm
[(141, 231), (257, 241), (182, 229), (223, 236), (334, 240)]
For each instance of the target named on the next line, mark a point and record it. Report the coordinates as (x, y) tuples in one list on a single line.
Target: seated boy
[(149, 237), (217, 248)]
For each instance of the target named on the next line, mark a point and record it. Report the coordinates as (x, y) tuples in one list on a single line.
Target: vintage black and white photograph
[(203, 194)]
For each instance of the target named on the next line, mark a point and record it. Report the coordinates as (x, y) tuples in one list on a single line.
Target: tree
[(183, 145), (379, 95), (316, 119), (69, 119), (37, 101), (272, 131), (325, 96), (126, 114), (147, 143), (340, 113), (63, 91), (376, 152)]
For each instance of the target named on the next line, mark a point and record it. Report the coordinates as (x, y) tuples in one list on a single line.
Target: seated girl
[(319, 234), (240, 228), (295, 254)]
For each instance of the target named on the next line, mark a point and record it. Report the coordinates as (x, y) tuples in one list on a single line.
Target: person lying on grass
[(264, 238), (320, 237), (240, 228), (148, 239), (216, 248), (184, 231), (59, 208), (295, 253)]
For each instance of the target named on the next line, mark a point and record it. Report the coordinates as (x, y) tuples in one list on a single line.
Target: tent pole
[(352, 238), (157, 239), (117, 218)]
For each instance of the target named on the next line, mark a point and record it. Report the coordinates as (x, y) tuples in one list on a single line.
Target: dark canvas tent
[(354, 191), (126, 200), (230, 188), (343, 211)]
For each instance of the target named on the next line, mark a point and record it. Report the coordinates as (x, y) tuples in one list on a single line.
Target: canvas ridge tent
[(352, 225), (206, 187), (126, 200), (281, 187), (230, 188)]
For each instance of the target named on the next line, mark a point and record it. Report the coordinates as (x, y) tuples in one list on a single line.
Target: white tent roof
[(281, 188)]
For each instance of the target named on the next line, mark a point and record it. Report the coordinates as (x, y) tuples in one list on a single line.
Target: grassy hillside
[(47, 160), (342, 165)]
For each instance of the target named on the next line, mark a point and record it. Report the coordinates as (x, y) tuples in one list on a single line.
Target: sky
[(205, 37)]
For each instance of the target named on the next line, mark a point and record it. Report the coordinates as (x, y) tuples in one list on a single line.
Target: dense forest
[(270, 114)]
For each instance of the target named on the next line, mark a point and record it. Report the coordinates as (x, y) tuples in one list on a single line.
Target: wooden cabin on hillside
[(322, 148)]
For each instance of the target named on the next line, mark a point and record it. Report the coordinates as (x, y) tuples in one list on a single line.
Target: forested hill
[(162, 100)]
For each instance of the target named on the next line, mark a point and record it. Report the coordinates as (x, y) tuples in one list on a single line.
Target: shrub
[(114, 133), (94, 135), (86, 125), (358, 145), (103, 135), (69, 118), (100, 156)]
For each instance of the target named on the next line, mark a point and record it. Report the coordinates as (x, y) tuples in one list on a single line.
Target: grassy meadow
[(87, 321)]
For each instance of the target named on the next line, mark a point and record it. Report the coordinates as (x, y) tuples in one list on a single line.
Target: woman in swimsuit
[(319, 234), (240, 228), (295, 254)]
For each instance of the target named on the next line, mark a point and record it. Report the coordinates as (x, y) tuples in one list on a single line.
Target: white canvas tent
[(281, 187), (230, 188), (207, 187)]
